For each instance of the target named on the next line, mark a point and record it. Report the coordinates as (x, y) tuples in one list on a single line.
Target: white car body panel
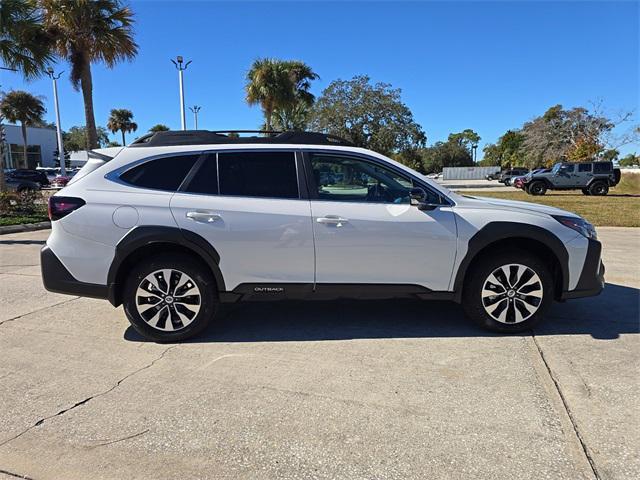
[(384, 243), (259, 240)]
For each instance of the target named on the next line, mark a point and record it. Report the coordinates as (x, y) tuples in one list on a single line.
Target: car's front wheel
[(170, 297), (508, 292), (537, 188)]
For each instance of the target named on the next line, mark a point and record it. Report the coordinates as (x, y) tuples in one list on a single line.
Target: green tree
[(121, 120), (630, 160), (370, 116), (467, 138), (159, 127), (507, 151), (445, 154), (25, 45), (279, 85), (85, 32), (21, 107), (75, 139)]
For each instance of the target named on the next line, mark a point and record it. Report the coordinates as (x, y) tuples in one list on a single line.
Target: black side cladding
[(141, 237), (56, 278), (496, 231)]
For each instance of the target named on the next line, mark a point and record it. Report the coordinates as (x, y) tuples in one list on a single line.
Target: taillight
[(62, 206)]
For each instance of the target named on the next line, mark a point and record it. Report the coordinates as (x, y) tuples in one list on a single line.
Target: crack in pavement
[(38, 310), (15, 475), (128, 437), (565, 404), (86, 400)]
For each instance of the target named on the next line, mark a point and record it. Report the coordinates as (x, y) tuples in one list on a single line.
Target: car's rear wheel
[(598, 188), (537, 188), (170, 297), (508, 292)]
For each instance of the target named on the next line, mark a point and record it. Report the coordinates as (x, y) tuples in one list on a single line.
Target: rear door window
[(258, 174), (166, 173), (584, 167)]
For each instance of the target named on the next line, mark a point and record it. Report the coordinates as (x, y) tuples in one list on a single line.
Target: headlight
[(578, 224)]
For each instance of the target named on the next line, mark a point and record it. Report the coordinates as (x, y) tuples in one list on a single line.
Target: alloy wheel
[(168, 300), (512, 293)]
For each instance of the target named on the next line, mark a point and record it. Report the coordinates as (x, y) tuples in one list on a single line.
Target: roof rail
[(206, 137)]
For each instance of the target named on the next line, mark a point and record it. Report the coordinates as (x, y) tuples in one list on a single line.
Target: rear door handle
[(203, 216), (332, 220)]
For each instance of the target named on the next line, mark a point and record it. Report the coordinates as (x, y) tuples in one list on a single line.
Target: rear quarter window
[(166, 173), (604, 167)]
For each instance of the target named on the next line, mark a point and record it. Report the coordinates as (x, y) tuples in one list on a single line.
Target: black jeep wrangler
[(593, 178)]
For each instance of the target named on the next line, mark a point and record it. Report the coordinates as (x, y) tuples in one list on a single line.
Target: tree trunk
[(268, 113), (25, 161), (123, 138), (87, 94)]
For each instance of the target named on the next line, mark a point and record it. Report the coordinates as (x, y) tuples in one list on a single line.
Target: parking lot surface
[(341, 390)]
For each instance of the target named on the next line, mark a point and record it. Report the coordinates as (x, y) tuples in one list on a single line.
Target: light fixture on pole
[(475, 150), (195, 109), (178, 62), (54, 78)]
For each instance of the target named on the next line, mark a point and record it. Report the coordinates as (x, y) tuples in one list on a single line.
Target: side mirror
[(418, 197)]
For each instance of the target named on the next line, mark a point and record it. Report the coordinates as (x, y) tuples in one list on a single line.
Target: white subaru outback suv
[(179, 222)]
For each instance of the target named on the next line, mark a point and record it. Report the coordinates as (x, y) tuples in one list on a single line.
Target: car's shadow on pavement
[(22, 242), (614, 312)]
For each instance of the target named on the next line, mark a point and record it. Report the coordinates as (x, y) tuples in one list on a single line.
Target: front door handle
[(332, 220), (203, 217)]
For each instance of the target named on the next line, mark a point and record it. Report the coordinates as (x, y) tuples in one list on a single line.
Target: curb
[(27, 227)]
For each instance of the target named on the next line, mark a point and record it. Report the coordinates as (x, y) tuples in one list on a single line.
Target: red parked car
[(60, 182), (518, 182)]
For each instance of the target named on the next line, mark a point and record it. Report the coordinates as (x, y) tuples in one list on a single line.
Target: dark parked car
[(18, 185), (506, 175), (37, 176), (593, 178)]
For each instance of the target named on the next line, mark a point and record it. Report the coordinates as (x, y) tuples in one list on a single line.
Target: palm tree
[(20, 106), (160, 127), (121, 120), (24, 43), (88, 31), (277, 84)]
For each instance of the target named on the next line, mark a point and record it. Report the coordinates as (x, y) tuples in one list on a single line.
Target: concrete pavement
[(353, 390)]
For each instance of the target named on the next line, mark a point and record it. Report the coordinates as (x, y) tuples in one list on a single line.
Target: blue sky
[(489, 66)]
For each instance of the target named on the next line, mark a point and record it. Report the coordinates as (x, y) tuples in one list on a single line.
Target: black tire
[(525, 188), (514, 320), (598, 188), (585, 191), (537, 188), (178, 323)]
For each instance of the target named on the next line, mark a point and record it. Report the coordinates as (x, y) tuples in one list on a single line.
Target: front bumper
[(56, 278), (591, 281)]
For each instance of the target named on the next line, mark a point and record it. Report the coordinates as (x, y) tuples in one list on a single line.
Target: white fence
[(467, 173)]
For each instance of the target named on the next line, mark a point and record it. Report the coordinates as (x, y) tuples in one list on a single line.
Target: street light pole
[(178, 62), (475, 150), (195, 109), (54, 78)]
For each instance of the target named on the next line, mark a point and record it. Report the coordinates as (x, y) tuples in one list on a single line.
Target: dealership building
[(41, 146)]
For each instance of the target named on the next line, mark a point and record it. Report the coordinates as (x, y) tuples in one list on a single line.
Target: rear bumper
[(591, 281), (56, 278)]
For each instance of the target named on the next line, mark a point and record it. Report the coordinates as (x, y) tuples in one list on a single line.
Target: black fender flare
[(604, 179), (494, 232), (141, 237)]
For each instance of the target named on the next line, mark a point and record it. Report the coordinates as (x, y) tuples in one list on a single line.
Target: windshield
[(556, 168)]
